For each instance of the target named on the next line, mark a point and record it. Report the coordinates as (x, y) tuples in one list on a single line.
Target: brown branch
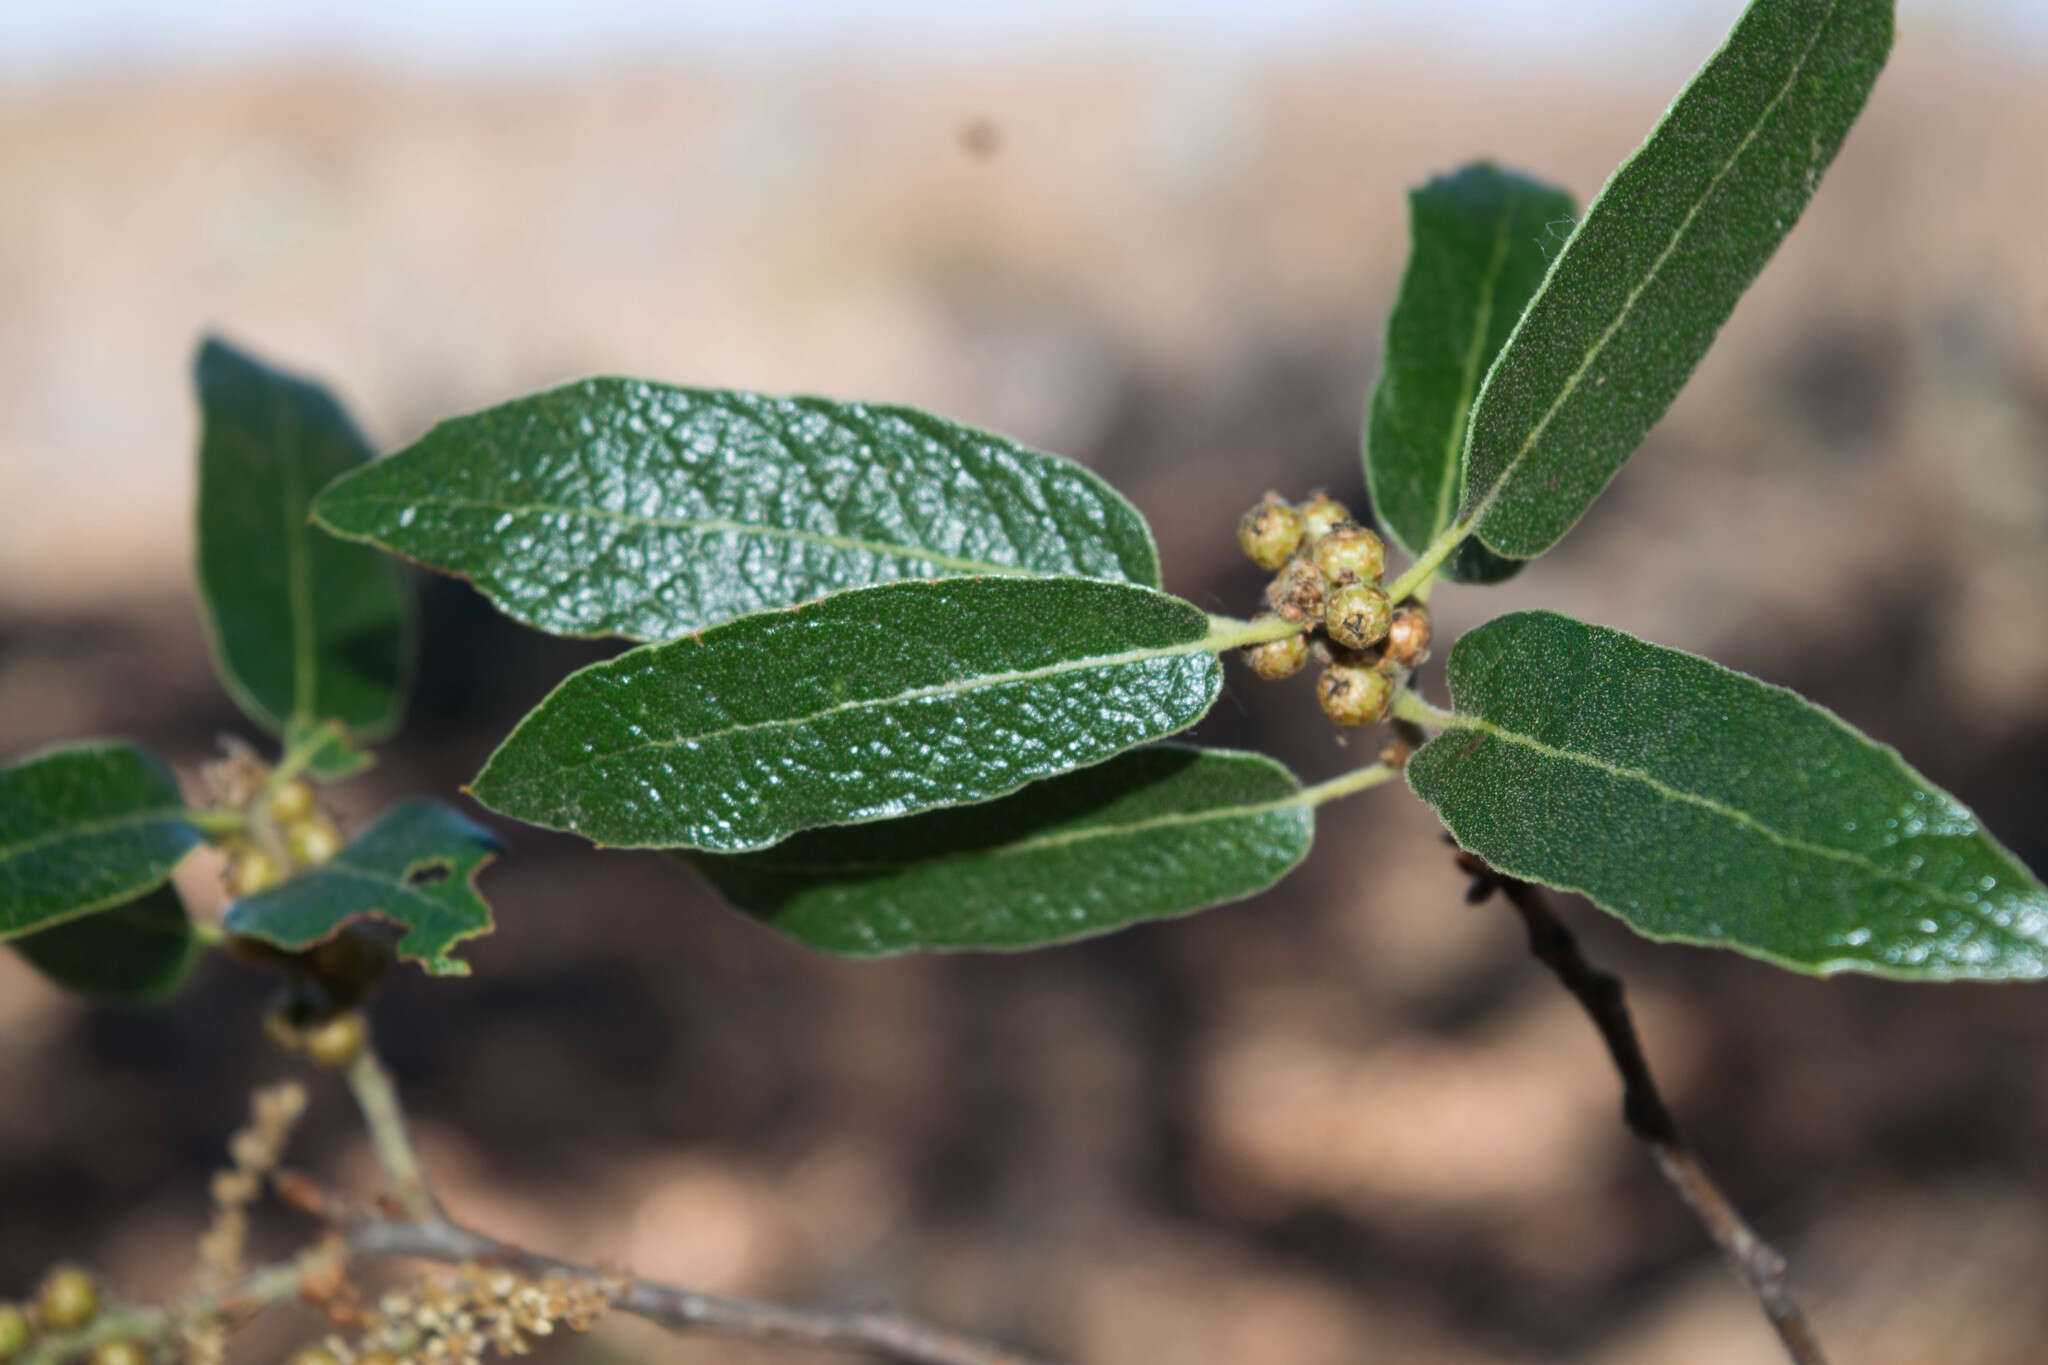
[(426, 1233), (1643, 1109)]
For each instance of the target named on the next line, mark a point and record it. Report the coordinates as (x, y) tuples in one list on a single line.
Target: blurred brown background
[(1350, 1121)]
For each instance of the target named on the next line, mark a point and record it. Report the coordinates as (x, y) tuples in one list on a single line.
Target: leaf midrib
[(956, 687), (1635, 294), (1040, 843), (1859, 861), (697, 525), (87, 829)]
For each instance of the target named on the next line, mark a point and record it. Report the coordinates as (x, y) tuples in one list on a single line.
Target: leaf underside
[(862, 706), (1480, 241), (140, 951), (1659, 260), (1159, 831), (85, 827), (416, 867), (1702, 805), (304, 627), (620, 507)]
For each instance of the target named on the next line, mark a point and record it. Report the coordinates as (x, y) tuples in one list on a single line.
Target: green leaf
[(1658, 262), (861, 706), (304, 627), (139, 951), (1159, 831), (1704, 806), (1478, 248), (416, 867), (333, 757), (84, 827), (619, 507)]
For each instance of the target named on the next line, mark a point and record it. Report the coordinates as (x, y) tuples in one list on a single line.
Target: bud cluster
[(67, 1301), (455, 1320), (284, 831), (1327, 572)]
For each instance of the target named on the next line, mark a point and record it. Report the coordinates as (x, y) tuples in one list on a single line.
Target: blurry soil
[(1347, 1121)]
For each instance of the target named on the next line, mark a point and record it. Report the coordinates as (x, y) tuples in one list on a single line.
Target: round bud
[(1319, 514), (1296, 593), (1408, 636), (1276, 659), (1357, 616), (68, 1299), (119, 1351), (312, 840), (1270, 533), (279, 1029), (14, 1331), (253, 870), (1396, 754), (335, 1042), (1352, 695), (1351, 554), (317, 1355), (291, 801)]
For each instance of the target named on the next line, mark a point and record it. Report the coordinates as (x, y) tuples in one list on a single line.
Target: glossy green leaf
[(1702, 805), (1158, 831), (416, 867), (861, 706), (1658, 262), (84, 827), (304, 627), (619, 507), (1479, 242), (140, 951)]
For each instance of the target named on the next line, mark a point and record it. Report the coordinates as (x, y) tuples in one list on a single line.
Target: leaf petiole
[(1349, 784), (1415, 578)]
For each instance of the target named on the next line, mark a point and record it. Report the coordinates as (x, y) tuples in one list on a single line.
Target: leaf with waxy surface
[(1480, 240), (620, 507), (1705, 806), (304, 627), (416, 867), (142, 950), (84, 827), (1159, 831), (1658, 262), (861, 706)]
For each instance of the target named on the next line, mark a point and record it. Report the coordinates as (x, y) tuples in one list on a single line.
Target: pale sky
[(45, 40)]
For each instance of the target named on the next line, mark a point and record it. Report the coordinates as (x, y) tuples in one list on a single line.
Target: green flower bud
[(1270, 533), (119, 1351), (1350, 554), (14, 1331), (1276, 659), (68, 1299), (1353, 696), (1321, 513), (335, 1042), (1357, 616), (292, 800), (312, 840)]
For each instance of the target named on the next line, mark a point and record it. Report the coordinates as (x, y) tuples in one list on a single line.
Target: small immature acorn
[(313, 839), (1319, 514), (291, 801), (252, 870), (1270, 533), (68, 1299), (119, 1351), (1408, 635), (1352, 695), (1351, 554), (14, 1331), (1357, 616), (1276, 659), (335, 1042), (1297, 592)]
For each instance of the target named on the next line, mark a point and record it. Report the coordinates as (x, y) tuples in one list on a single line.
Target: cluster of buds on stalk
[(1327, 572), (284, 831)]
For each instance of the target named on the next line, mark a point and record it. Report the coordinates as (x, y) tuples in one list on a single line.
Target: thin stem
[(390, 1135), (1357, 780), (1426, 565), (897, 1338), (1643, 1109), (299, 756), (1227, 632), (1410, 707), (213, 822)]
